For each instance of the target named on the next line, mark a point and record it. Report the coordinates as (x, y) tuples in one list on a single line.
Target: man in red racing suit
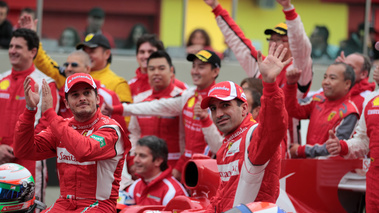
[(249, 158), (366, 139), (90, 147)]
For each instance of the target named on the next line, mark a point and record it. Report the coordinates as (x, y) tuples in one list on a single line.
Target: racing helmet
[(256, 207), (16, 188)]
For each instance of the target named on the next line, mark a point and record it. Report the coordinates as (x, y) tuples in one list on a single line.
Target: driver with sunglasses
[(79, 62)]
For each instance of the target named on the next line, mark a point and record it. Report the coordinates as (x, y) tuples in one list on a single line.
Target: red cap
[(78, 78), (225, 91)]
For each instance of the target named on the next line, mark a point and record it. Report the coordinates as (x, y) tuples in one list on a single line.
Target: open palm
[(273, 64)]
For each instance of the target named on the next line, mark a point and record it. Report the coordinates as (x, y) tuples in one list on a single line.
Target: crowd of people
[(134, 137)]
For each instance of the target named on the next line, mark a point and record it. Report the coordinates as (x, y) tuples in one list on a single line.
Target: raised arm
[(241, 46), (273, 116), (300, 46), (42, 60)]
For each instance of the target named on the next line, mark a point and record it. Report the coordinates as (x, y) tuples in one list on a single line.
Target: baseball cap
[(225, 91), (94, 40), (280, 29), (78, 78), (206, 56), (97, 12)]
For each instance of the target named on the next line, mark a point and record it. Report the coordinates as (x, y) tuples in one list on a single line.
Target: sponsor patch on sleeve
[(100, 139)]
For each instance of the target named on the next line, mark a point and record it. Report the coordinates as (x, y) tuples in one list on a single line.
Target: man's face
[(144, 164), (75, 64), (356, 61), (82, 101), (144, 53), (160, 73), (19, 56), (3, 14), (249, 99), (227, 115), (334, 84), (99, 57), (94, 24), (281, 39), (202, 74)]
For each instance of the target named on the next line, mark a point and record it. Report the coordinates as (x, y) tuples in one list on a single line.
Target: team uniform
[(340, 116), (90, 156), (12, 104), (157, 192), (366, 140), (198, 133), (140, 84), (165, 127), (359, 91), (249, 158), (246, 54)]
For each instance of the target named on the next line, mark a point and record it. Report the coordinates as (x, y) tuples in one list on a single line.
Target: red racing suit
[(246, 54), (165, 127), (249, 158), (359, 91), (12, 104), (366, 139), (158, 192), (198, 133), (140, 83), (90, 156), (340, 116)]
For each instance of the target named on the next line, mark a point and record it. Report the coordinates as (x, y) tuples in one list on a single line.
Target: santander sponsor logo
[(228, 170), (64, 156)]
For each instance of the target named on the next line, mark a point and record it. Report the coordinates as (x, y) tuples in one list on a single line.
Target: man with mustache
[(90, 147), (249, 158)]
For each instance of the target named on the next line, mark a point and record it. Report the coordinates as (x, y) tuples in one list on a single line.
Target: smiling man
[(249, 158), (198, 130), (160, 72), (90, 147), (146, 45), (330, 110), (156, 186), (22, 49)]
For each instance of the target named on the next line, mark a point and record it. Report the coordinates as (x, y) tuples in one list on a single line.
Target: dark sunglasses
[(73, 64)]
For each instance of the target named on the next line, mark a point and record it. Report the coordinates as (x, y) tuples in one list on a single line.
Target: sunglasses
[(73, 64)]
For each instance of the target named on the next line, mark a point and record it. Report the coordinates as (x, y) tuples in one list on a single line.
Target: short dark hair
[(29, 11), (152, 39), (349, 73), (205, 35), (256, 96), (30, 37), (160, 54), (158, 148), (323, 32), (4, 4), (253, 83), (366, 66)]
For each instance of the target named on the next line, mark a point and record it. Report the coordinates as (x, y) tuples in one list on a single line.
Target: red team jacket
[(249, 158), (158, 192), (90, 155), (165, 127)]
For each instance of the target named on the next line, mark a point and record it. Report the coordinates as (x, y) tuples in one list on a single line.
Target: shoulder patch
[(100, 139)]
